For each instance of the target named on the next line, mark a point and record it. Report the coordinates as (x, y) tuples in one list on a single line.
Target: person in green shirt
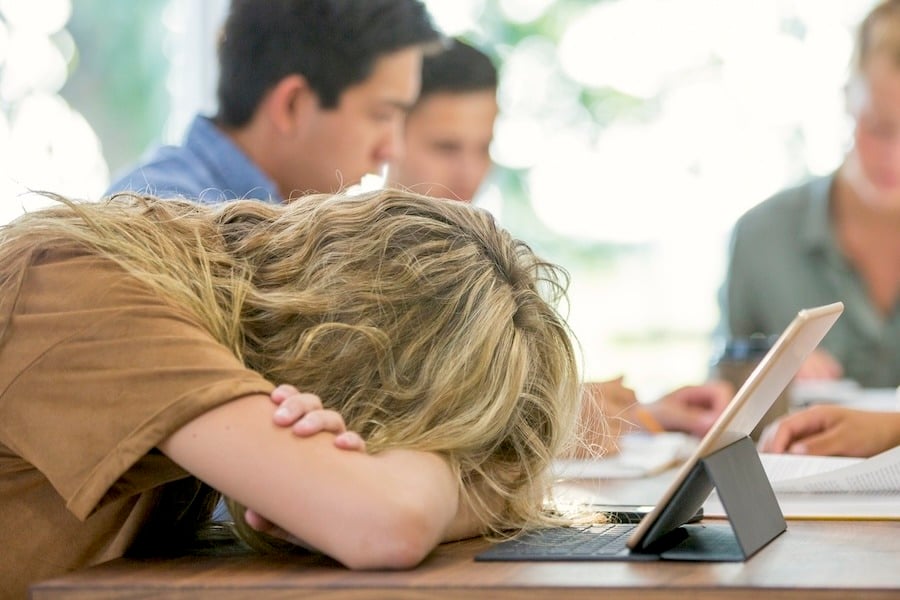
[(835, 237)]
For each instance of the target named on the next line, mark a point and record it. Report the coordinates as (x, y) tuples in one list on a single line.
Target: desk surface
[(812, 559)]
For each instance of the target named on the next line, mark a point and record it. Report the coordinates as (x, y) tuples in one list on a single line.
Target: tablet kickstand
[(746, 493), (737, 474)]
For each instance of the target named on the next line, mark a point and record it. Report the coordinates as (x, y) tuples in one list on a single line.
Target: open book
[(825, 487)]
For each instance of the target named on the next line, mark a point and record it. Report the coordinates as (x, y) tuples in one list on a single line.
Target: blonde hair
[(878, 34), (419, 320)]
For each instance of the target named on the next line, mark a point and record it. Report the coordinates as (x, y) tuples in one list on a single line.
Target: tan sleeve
[(96, 370)]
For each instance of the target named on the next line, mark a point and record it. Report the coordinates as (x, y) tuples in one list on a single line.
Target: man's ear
[(290, 104)]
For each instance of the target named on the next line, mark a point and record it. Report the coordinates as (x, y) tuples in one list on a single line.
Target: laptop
[(725, 459)]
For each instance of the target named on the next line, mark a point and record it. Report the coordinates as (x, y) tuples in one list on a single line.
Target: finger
[(834, 370), (815, 371), (782, 436), (257, 521), (723, 393), (826, 443), (767, 437), (702, 423), (710, 396), (809, 369), (263, 525), (820, 365), (794, 428), (296, 406), (282, 392), (319, 420), (702, 399), (350, 440), (828, 365)]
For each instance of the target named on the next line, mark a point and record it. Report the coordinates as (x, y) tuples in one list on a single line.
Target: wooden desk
[(812, 559)]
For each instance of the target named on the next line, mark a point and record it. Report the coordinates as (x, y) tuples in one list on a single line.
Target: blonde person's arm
[(384, 511), (304, 414)]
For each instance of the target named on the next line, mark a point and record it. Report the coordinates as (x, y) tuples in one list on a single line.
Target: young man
[(449, 130), (312, 96), (447, 138)]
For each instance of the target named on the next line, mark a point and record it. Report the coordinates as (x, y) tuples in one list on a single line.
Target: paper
[(639, 455), (824, 487), (825, 391), (825, 474), (844, 392)]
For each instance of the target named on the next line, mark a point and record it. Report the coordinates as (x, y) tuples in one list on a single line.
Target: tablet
[(770, 377), (725, 459)]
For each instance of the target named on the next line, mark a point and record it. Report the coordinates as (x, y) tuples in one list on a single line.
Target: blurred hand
[(693, 408), (605, 412), (830, 430), (612, 397), (820, 365)]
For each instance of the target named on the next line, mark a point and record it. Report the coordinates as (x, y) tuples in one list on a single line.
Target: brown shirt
[(95, 370)]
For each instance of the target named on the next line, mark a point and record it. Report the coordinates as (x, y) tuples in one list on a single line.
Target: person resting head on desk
[(447, 138), (141, 339)]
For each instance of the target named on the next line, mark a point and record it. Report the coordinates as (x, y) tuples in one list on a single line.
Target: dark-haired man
[(312, 96)]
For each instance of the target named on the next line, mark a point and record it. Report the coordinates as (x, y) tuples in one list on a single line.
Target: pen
[(647, 420)]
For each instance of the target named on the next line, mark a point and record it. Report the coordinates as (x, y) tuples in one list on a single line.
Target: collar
[(817, 232), (232, 167)]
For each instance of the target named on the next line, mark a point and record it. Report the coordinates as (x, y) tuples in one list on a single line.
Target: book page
[(824, 506), (824, 474), (782, 467), (829, 487)]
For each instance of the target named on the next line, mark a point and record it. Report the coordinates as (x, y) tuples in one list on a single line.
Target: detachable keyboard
[(564, 543), (609, 542)]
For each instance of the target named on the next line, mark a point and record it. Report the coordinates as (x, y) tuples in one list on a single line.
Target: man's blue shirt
[(208, 167)]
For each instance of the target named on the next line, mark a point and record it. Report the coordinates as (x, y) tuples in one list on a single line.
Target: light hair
[(420, 321), (877, 46), (878, 34)]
